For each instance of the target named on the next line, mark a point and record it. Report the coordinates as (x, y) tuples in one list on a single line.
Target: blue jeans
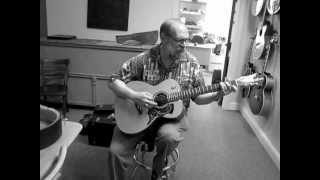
[(166, 136)]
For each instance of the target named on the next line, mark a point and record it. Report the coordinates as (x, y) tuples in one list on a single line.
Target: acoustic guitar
[(273, 6), (256, 7), (261, 97), (263, 33), (132, 118)]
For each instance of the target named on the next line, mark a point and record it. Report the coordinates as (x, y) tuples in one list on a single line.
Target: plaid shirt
[(148, 67)]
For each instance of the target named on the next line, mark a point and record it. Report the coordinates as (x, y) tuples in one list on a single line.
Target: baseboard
[(264, 140), (73, 105), (80, 104), (231, 106), (77, 106)]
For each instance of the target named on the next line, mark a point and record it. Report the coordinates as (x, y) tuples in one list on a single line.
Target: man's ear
[(163, 37)]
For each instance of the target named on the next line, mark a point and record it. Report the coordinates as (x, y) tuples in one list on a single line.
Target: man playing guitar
[(168, 60)]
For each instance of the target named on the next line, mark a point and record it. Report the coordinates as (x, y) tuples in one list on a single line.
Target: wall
[(267, 129), (43, 19), (90, 63), (70, 17), (218, 17)]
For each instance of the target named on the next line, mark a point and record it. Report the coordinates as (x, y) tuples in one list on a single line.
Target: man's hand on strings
[(144, 99)]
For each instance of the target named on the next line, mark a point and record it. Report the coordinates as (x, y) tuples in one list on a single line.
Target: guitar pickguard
[(156, 112)]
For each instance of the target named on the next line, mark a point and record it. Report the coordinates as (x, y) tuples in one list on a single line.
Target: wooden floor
[(218, 146)]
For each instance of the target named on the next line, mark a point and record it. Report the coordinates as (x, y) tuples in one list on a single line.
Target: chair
[(54, 75), (139, 158)]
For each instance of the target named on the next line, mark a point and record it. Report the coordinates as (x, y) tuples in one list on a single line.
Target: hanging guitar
[(273, 6), (249, 69), (261, 98), (264, 31), (256, 7)]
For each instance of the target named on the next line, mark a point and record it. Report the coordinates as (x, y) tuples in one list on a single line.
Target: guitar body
[(130, 120), (259, 43), (261, 98)]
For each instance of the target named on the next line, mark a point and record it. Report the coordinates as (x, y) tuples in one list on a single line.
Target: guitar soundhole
[(161, 99)]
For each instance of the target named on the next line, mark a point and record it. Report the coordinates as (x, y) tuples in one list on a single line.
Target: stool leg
[(174, 166), (170, 166)]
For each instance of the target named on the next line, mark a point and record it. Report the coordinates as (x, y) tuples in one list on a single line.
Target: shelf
[(194, 13), (191, 13), (193, 27), (194, 2)]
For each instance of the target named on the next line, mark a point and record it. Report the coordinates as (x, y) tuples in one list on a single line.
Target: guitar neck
[(186, 94)]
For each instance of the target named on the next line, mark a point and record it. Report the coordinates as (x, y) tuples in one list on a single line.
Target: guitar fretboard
[(186, 94)]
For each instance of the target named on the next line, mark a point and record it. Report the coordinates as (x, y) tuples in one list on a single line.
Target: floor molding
[(71, 105), (264, 140), (234, 106)]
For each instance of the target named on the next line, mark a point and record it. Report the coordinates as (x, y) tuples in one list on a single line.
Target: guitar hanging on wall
[(261, 97), (256, 7), (263, 35), (273, 6)]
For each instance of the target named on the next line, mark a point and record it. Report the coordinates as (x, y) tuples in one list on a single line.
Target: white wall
[(218, 17), (267, 129), (70, 17)]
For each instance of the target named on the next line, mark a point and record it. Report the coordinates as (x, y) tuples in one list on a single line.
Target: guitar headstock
[(273, 6), (250, 80)]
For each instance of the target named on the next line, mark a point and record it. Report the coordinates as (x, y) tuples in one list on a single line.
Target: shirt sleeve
[(197, 76), (131, 70)]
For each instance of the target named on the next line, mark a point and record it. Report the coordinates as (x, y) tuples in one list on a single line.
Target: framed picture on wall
[(108, 14)]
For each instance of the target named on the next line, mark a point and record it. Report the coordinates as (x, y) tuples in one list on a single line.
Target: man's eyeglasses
[(180, 41)]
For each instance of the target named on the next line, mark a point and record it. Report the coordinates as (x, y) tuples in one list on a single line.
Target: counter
[(93, 44), (70, 131)]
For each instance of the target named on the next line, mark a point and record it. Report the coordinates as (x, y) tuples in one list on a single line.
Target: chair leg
[(64, 106), (67, 107), (45, 99)]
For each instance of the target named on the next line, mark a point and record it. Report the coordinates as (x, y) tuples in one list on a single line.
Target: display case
[(192, 13)]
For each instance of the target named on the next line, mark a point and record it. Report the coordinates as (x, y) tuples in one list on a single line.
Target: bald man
[(169, 59)]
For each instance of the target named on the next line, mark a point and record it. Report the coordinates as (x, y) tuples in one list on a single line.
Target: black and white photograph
[(160, 90)]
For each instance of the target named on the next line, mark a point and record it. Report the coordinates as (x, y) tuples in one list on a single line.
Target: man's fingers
[(235, 88)]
